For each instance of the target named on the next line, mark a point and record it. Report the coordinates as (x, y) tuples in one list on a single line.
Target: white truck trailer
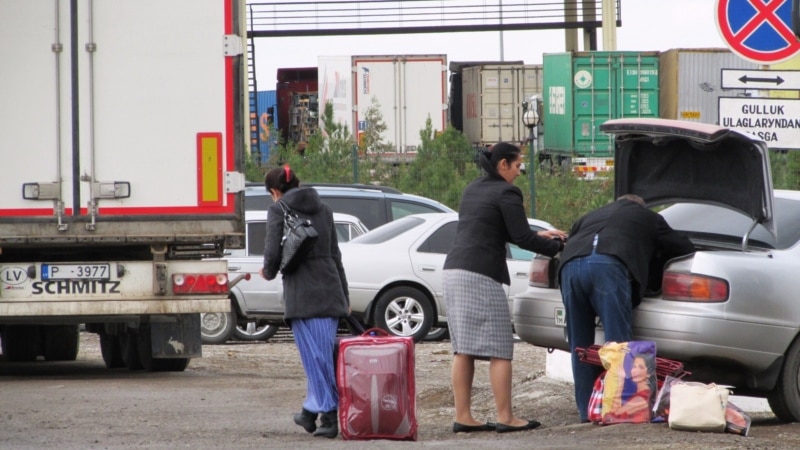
[(122, 141), (409, 89)]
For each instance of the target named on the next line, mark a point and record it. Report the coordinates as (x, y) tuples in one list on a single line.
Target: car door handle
[(427, 268), (521, 275), (233, 268)]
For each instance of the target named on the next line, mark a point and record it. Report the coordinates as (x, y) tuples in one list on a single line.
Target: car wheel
[(438, 334), (255, 330), (217, 328), (404, 311), (784, 399)]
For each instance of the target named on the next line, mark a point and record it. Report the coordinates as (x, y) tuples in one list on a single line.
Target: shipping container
[(264, 139), (455, 111), (335, 82), (409, 89), (690, 82), (582, 90), (297, 103), (492, 97)]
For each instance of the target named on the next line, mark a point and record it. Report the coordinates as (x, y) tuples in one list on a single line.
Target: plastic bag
[(630, 385)]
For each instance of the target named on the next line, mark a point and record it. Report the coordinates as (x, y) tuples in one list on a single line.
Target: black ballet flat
[(461, 428), (503, 428)]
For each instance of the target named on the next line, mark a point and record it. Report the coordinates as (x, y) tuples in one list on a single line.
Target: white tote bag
[(697, 406)]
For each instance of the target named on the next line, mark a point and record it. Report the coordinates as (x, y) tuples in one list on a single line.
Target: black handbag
[(299, 237)]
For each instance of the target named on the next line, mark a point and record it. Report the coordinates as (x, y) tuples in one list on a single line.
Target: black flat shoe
[(503, 428), (461, 428)]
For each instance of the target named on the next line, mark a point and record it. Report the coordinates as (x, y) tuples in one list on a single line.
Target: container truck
[(584, 89), (123, 136), (491, 101), (409, 89)]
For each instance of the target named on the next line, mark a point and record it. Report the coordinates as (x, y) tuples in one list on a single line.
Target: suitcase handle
[(375, 332)]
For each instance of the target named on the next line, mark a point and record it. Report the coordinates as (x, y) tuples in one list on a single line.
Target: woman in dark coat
[(315, 296), (490, 215)]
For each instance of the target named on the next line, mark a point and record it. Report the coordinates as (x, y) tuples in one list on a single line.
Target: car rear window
[(402, 208), (257, 201), (389, 231), (708, 220), (369, 210), (256, 234), (441, 241)]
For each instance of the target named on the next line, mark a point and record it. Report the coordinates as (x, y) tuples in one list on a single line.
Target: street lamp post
[(530, 118)]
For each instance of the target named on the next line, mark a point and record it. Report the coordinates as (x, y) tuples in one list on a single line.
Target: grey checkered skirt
[(477, 315)]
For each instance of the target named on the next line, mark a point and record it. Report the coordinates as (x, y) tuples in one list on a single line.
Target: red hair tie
[(286, 169)]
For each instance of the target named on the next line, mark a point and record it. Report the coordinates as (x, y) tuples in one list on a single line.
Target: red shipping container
[(375, 378)]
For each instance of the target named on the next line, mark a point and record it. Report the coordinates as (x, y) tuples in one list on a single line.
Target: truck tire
[(129, 351), (21, 342), (61, 342), (111, 351)]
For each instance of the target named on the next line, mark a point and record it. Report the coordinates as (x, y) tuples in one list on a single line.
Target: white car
[(394, 272), (256, 304)]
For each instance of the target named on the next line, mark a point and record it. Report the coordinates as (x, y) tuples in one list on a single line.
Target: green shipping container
[(584, 89)]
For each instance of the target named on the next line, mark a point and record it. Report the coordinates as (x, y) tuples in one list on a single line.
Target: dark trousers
[(593, 286)]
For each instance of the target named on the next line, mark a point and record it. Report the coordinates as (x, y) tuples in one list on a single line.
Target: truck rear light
[(687, 287), (200, 283)]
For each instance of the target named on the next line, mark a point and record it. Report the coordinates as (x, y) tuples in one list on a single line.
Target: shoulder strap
[(284, 207)]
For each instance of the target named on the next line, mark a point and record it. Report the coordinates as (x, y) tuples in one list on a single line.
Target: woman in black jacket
[(315, 296), (491, 214)]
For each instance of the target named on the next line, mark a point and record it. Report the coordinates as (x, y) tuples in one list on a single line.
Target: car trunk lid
[(670, 161)]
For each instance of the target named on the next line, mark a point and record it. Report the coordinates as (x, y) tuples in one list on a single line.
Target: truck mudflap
[(175, 337)]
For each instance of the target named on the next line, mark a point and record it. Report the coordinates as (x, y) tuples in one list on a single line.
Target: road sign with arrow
[(784, 80)]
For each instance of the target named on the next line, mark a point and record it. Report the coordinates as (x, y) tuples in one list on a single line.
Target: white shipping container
[(492, 96), (409, 89), (690, 82), (335, 82)]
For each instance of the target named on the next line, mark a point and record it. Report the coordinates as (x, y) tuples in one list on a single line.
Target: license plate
[(561, 317), (76, 272)]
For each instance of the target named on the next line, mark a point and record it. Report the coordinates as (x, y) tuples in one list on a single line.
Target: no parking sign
[(758, 30)]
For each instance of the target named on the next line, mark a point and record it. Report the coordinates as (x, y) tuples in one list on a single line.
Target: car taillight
[(540, 273), (687, 287), (200, 283)]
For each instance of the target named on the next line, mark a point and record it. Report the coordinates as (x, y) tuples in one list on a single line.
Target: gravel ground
[(243, 395)]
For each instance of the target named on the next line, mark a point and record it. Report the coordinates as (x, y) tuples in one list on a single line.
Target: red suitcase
[(375, 378)]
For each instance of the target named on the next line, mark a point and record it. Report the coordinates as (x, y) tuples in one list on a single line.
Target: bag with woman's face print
[(629, 386)]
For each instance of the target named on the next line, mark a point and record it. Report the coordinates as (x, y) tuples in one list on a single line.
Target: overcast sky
[(646, 25)]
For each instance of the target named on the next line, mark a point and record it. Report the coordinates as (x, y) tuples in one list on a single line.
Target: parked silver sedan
[(256, 305), (394, 272), (730, 311)]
